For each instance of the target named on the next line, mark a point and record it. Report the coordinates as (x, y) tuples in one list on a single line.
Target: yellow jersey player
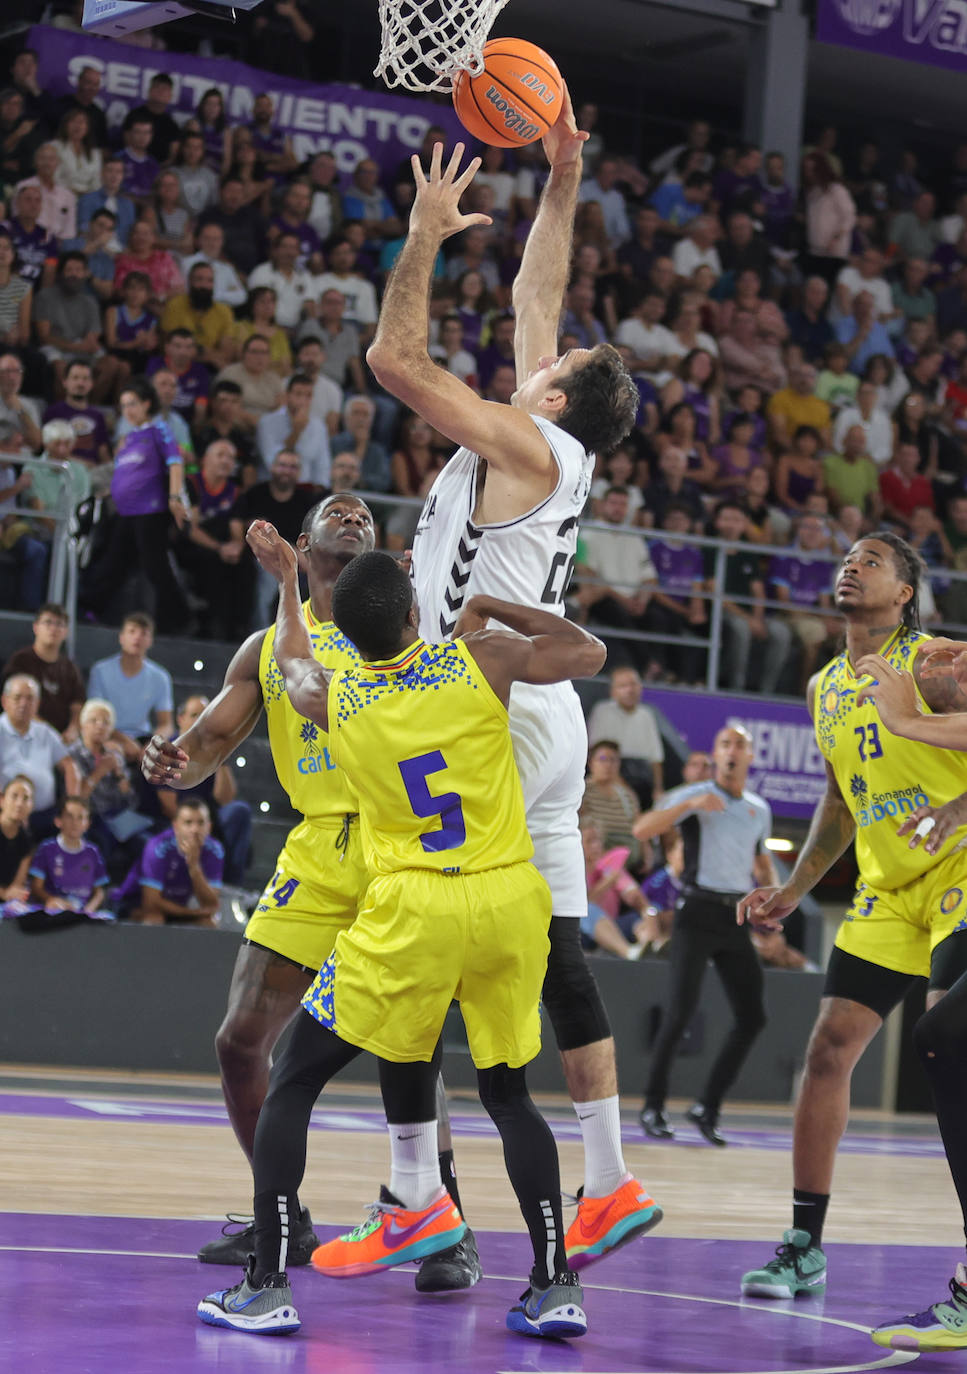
[(454, 909), (940, 1035), (907, 898)]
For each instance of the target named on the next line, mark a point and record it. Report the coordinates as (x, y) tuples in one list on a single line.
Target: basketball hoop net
[(426, 42)]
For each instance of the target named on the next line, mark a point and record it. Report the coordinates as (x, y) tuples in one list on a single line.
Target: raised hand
[(934, 825), (162, 762), (943, 657), (437, 204), (893, 692), (275, 555), (564, 141)]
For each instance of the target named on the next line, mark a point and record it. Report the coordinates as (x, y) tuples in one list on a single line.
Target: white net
[(426, 42)]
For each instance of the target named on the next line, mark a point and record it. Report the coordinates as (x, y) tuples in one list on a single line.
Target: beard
[(200, 298)]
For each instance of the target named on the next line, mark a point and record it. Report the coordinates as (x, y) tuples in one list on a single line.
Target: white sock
[(414, 1169), (604, 1164)]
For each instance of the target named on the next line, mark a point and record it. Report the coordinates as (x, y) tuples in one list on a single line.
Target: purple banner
[(928, 31), (788, 770), (350, 123)]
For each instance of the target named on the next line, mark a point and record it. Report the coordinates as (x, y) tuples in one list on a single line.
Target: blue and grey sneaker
[(552, 1311), (941, 1327), (798, 1267), (264, 1311)]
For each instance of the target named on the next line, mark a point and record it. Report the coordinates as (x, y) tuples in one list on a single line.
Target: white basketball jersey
[(528, 560)]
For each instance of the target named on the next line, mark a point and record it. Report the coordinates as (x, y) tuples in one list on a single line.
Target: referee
[(724, 829)]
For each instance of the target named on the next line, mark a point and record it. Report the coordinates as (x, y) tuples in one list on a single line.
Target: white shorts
[(551, 748)]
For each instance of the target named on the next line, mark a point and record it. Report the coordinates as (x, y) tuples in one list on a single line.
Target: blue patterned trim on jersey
[(837, 686), (318, 1001), (323, 639), (438, 665)]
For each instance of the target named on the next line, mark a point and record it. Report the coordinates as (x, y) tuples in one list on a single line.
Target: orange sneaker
[(605, 1223), (391, 1235)]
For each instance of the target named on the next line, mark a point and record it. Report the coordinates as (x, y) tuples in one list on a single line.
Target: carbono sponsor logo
[(892, 804), (316, 763), (513, 119)]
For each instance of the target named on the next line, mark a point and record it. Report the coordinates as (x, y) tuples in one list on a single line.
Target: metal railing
[(62, 568)]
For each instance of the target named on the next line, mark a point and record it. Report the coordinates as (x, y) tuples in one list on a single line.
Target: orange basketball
[(515, 99)]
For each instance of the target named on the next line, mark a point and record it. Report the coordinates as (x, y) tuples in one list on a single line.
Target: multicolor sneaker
[(453, 1270), (234, 1247), (391, 1235), (605, 1223), (941, 1327), (799, 1267), (264, 1311), (552, 1311)]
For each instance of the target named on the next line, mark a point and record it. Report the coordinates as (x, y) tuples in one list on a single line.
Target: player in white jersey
[(501, 520)]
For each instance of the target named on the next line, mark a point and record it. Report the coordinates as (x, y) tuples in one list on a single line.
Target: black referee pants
[(705, 930)]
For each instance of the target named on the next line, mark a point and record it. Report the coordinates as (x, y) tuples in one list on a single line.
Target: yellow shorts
[(423, 938), (900, 930), (315, 893)]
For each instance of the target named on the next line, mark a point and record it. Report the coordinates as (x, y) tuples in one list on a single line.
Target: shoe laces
[(786, 1254), (373, 1220), (243, 1219)]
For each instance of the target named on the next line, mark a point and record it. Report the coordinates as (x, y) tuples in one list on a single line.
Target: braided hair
[(910, 568)]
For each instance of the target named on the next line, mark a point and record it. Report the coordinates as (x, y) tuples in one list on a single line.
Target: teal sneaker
[(941, 1327), (797, 1268)]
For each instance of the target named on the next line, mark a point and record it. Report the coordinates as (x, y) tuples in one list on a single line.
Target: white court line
[(896, 1357)]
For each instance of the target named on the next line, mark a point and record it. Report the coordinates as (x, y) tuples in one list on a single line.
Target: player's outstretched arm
[(306, 681), (895, 695), (663, 818), (221, 727), (541, 280), (543, 648)]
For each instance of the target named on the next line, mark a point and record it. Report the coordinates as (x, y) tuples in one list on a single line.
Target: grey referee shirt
[(720, 846)]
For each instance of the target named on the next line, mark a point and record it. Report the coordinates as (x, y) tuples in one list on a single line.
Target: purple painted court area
[(102, 1295)]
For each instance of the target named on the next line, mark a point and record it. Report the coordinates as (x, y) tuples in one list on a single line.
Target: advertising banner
[(933, 32)]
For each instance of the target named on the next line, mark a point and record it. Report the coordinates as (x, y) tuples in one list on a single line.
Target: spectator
[(652, 345), (100, 249), (281, 39), (139, 690), (180, 357), (912, 424), (915, 233), (19, 410), (602, 187), (830, 217), (109, 197), (677, 606), (214, 550), (164, 384), (696, 384), (797, 404), (262, 311), (778, 204), (231, 818), (356, 437), (273, 146), (673, 486), (37, 103), (861, 333), (851, 475), (143, 255), (285, 504), (366, 201), (619, 471), (198, 182), (618, 578), (696, 140), (296, 292), (140, 168), (737, 187), (210, 240), (148, 491), (36, 249), (68, 324), (912, 297), (874, 421), (32, 749), (359, 294), (59, 679), (16, 846), (131, 329), (890, 381), (104, 782), (262, 389), (291, 219), (225, 421), (92, 440), (257, 183), (866, 275), (19, 137), (610, 884), (51, 490), (687, 331), (165, 133), (16, 298), (168, 217), (78, 159), (800, 579), (179, 874), (242, 223), (678, 428), (209, 121), (58, 204), (293, 426), (744, 251), (736, 458), (67, 873), (836, 385), (809, 328), (633, 726), (609, 803), (748, 357), (743, 605), (903, 488), (209, 322), (326, 395), (84, 97), (799, 472), (680, 203), (414, 457), (636, 257)]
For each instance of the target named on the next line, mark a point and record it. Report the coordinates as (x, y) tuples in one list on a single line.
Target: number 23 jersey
[(882, 778), (527, 560)]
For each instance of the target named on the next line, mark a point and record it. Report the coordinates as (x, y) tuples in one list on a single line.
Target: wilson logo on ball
[(514, 121), (515, 99)]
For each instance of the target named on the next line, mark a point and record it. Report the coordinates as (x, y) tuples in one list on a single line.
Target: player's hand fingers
[(436, 160), (468, 174), (876, 666), (918, 825), (419, 176)]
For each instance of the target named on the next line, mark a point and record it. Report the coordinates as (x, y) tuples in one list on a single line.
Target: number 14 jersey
[(882, 777)]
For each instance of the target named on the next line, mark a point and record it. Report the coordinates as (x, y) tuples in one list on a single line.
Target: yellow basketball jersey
[(424, 740), (300, 749), (882, 777)]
